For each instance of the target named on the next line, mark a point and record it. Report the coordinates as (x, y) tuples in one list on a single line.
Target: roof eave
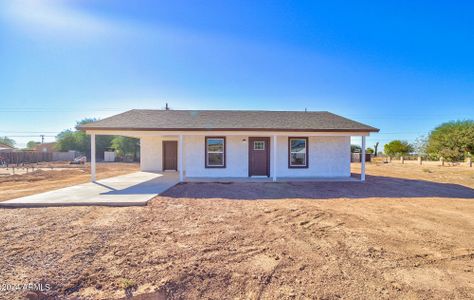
[(230, 129)]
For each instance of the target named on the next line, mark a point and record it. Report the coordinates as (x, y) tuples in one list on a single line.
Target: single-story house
[(45, 147), (238, 144), (6, 148)]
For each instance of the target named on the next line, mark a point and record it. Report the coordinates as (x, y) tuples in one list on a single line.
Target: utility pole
[(42, 138)]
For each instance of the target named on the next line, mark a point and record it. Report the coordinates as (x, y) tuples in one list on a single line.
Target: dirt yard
[(59, 176), (406, 233)]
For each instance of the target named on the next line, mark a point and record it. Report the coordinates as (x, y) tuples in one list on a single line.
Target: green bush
[(452, 140), (398, 148)]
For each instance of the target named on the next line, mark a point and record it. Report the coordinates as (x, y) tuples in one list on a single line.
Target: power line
[(39, 135), (397, 133), (30, 132)]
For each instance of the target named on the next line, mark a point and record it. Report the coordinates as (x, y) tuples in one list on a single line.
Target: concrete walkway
[(127, 190)]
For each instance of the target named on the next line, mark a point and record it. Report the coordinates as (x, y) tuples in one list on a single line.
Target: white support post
[(180, 158), (92, 157), (274, 160), (362, 160)]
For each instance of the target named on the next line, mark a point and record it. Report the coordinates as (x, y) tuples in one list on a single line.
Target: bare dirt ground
[(406, 234), (62, 175)]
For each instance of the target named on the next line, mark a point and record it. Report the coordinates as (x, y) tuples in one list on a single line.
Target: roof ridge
[(229, 110)]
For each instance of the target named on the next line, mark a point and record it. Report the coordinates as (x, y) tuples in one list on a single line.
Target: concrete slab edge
[(44, 205)]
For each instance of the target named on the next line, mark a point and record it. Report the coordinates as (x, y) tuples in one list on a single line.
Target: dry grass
[(403, 234), (462, 175)]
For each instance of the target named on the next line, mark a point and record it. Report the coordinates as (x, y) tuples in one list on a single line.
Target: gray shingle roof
[(228, 120)]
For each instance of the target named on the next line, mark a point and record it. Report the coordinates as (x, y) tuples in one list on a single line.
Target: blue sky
[(403, 67)]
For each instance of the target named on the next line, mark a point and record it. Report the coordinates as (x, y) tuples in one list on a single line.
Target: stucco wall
[(236, 158), (150, 153), (329, 156)]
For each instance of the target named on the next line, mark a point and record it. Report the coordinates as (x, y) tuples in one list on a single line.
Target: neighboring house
[(45, 147), (6, 148), (219, 143)]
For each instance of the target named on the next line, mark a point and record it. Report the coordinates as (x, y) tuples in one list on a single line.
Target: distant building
[(45, 147), (6, 148)]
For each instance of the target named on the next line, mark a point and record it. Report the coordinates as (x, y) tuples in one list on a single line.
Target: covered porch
[(190, 155)]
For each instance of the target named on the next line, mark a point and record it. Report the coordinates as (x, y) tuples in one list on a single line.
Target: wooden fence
[(421, 161), (356, 157), (22, 157)]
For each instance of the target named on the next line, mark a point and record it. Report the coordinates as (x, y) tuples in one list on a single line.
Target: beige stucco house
[(238, 144)]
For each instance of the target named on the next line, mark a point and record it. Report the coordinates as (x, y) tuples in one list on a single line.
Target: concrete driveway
[(127, 190)]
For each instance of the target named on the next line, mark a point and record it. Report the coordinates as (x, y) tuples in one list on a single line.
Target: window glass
[(215, 152), (298, 152), (215, 159), (215, 145), (259, 145)]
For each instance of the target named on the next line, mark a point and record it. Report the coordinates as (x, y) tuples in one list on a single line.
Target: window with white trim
[(298, 152), (215, 152)]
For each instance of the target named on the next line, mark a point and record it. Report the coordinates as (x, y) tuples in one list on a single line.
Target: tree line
[(453, 141), (78, 140)]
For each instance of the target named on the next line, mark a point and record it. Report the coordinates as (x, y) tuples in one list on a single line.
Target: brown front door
[(259, 156), (170, 155)]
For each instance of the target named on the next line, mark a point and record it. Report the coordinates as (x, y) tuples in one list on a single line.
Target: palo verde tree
[(452, 140), (7, 141), (32, 144), (397, 148), (419, 145)]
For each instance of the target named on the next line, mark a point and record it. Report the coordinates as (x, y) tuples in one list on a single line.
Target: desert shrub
[(129, 287), (127, 283), (452, 140)]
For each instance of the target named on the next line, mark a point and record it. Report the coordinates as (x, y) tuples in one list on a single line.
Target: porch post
[(274, 160), (362, 160), (92, 157), (180, 158)]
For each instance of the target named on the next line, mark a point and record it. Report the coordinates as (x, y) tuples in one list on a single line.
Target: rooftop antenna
[(167, 107)]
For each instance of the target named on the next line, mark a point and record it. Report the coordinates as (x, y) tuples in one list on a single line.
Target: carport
[(134, 189)]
